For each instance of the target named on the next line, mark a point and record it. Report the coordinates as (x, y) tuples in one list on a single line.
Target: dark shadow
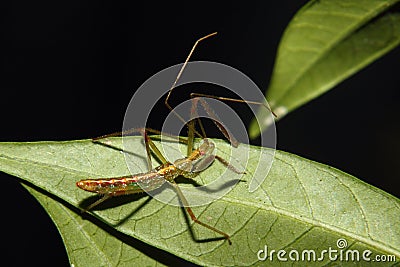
[(122, 221), (116, 201), (173, 139), (98, 142), (193, 236), (230, 183), (111, 202), (158, 255), (121, 200), (184, 180)]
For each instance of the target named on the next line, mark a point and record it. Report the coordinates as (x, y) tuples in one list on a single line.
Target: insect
[(196, 161)]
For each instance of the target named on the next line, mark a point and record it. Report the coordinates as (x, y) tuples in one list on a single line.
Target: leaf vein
[(87, 237), (303, 189), (353, 195)]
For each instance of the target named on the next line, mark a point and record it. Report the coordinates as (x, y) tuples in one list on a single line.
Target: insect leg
[(228, 165), (234, 100), (177, 79), (221, 127), (190, 139), (191, 127), (142, 131), (138, 130), (149, 144), (94, 204), (194, 218), (214, 117)]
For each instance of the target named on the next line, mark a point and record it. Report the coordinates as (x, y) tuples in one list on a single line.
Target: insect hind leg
[(194, 218), (97, 202)]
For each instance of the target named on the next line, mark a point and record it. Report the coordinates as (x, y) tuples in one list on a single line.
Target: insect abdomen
[(122, 185)]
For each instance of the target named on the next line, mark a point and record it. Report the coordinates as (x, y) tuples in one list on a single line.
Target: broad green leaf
[(325, 43), (86, 243), (301, 205)]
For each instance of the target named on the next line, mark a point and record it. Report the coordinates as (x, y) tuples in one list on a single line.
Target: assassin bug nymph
[(190, 166)]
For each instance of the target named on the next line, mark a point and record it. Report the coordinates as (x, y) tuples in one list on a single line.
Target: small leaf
[(301, 205), (325, 43), (86, 243)]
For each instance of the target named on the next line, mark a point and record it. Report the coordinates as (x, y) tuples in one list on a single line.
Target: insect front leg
[(149, 144), (228, 165)]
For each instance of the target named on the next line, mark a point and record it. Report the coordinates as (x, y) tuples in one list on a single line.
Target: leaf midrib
[(369, 16), (87, 237), (313, 222), (259, 206), (48, 165)]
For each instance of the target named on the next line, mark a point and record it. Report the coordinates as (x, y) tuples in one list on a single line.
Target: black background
[(70, 69)]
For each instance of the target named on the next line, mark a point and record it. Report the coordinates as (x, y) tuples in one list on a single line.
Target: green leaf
[(325, 43), (86, 243), (301, 205)]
